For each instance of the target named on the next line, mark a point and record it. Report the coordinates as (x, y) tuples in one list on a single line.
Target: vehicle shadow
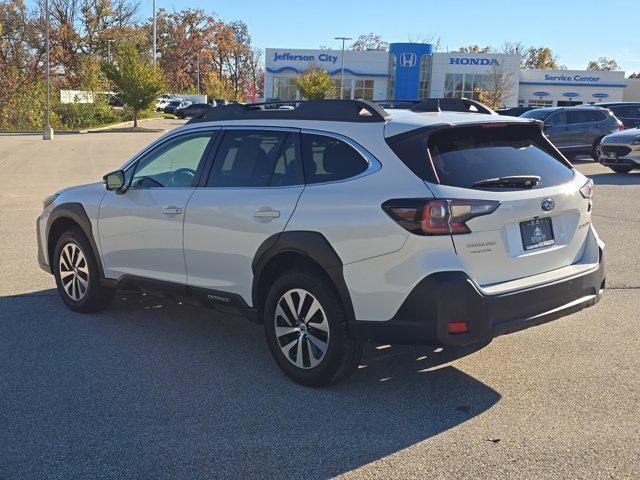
[(612, 178), (155, 389)]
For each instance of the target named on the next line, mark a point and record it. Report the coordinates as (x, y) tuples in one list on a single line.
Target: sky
[(576, 30)]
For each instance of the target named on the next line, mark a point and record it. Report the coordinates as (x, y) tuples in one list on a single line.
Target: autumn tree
[(314, 84), (542, 58), (497, 88), (136, 81), (603, 63), (369, 41), (634, 75), (475, 49)]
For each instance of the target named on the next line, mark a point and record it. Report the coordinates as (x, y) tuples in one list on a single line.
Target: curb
[(105, 129)]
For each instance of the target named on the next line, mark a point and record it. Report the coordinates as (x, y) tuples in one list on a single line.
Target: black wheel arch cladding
[(77, 214), (312, 245)]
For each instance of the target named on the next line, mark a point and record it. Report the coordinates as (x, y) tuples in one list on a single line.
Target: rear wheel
[(76, 274), (306, 331), (621, 169)]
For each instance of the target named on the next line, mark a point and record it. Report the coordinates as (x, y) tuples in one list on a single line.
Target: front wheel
[(306, 331), (76, 273)]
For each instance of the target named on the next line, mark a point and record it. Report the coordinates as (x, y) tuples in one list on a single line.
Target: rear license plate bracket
[(537, 233)]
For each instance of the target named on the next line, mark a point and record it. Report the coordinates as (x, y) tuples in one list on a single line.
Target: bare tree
[(369, 41), (426, 38), (498, 87)]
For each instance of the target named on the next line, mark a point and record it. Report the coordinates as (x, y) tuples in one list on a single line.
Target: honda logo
[(407, 59)]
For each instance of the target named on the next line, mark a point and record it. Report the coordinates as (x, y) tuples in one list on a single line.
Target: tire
[(327, 326), (74, 258), (594, 149), (621, 169)]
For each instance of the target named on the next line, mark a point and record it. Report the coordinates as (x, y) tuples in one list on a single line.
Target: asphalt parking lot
[(152, 389)]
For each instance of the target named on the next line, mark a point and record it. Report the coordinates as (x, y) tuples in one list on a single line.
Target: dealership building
[(413, 71)]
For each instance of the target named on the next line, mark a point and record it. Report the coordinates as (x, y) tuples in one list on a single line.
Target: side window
[(555, 119), (288, 169), (578, 116), (598, 116), (327, 159), (172, 164), (246, 158)]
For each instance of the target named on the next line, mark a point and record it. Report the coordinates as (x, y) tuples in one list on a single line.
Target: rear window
[(463, 156)]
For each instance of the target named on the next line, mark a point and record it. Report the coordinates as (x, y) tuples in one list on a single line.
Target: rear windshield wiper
[(514, 181)]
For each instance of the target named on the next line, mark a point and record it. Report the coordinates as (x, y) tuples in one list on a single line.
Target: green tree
[(603, 63), (369, 41), (314, 84), (135, 80), (542, 58)]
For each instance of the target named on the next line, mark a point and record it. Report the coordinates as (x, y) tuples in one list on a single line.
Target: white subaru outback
[(338, 222)]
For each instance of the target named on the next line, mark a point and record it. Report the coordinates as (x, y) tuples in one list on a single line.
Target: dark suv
[(576, 130), (627, 112)]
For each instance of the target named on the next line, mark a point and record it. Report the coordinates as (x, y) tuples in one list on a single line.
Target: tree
[(542, 58), (314, 84), (135, 80), (475, 49), (515, 48), (369, 41), (634, 75), (603, 63), (426, 38), (497, 87)]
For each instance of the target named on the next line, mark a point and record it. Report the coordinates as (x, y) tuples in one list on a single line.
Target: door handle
[(171, 210), (266, 213)]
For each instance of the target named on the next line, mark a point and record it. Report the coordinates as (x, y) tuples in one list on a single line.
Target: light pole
[(198, 71), (344, 39), (47, 133), (154, 31)]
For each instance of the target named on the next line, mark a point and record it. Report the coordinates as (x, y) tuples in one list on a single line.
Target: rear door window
[(247, 158), (462, 156)]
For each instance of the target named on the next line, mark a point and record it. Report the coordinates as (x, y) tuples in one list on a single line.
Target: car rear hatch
[(532, 212)]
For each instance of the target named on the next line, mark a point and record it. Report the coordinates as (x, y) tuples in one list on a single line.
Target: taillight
[(620, 126), (437, 216), (587, 189)]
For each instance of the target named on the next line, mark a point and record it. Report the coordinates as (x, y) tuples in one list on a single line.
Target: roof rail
[(439, 105), (333, 110)]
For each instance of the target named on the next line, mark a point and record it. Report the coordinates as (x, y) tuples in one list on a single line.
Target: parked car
[(337, 223), (175, 104), (161, 103), (193, 110), (513, 111), (220, 101), (621, 151), (576, 130), (627, 112)]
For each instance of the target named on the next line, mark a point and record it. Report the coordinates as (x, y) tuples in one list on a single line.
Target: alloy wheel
[(74, 272), (301, 328)]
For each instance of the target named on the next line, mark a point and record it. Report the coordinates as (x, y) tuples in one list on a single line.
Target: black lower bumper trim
[(444, 297)]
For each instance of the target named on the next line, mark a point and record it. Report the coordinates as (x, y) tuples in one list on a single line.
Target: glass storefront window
[(392, 78), (335, 91), (284, 88), (460, 85), (423, 85), (364, 90)]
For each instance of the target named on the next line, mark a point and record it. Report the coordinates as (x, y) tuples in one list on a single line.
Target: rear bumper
[(444, 297)]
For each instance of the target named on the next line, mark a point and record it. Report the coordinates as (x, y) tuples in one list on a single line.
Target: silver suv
[(576, 130)]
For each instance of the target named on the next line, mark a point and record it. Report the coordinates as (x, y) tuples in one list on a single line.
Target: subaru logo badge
[(548, 204), (408, 59)]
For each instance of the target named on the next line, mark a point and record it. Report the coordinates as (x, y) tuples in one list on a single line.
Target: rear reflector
[(458, 327)]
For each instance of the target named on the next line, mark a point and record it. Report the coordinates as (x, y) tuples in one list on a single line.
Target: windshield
[(537, 114)]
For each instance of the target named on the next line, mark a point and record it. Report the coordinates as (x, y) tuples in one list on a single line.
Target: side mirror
[(114, 180)]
